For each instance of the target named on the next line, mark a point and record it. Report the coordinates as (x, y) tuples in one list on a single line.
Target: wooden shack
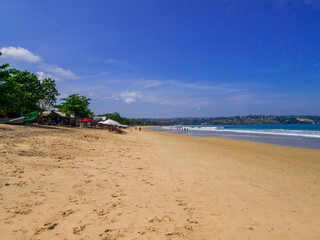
[(53, 117)]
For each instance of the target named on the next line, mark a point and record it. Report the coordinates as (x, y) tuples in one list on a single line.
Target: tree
[(77, 105), (114, 116), (123, 120), (49, 93), (22, 91), (8, 89)]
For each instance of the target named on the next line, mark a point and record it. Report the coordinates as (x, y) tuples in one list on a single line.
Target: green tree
[(49, 94), (114, 116), (123, 120), (77, 105), (22, 91), (8, 89), (28, 92)]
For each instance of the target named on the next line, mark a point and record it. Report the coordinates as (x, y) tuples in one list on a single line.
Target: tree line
[(123, 120), (21, 92), (235, 120)]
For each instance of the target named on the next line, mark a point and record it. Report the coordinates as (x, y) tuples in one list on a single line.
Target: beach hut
[(53, 117), (112, 125), (111, 122)]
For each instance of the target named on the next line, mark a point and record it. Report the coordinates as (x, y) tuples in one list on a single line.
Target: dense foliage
[(76, 105), (22, 92), (49, 94)]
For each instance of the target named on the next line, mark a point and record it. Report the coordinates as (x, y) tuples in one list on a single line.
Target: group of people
[(182, 129)]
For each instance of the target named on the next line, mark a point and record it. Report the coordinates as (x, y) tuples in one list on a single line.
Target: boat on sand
[(30, 117), (18, 120)]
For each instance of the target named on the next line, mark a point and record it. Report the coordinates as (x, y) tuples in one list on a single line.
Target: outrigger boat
[(30, 117), (25, 119), (14, 120)]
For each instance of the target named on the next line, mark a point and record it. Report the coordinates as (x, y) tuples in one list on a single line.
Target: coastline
[(92, 184), (273, 139)]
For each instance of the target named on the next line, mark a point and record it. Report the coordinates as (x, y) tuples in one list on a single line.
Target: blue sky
[(172, 58)]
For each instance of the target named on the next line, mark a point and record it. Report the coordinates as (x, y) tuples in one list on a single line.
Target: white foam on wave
[(204, 128), (191, 128), (295, 133), (283, 132)]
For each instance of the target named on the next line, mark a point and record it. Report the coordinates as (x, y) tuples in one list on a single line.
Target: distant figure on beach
[(135, 128), (139, 128)]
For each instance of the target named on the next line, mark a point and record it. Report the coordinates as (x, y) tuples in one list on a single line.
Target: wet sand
[(59, 183)]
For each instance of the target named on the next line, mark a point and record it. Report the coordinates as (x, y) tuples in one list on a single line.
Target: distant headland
[(235, 120)]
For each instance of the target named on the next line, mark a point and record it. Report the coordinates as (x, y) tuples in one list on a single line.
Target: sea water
[(295, 135)]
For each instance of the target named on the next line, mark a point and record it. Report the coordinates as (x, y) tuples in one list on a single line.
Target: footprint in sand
[(101, 212), (181, 203), (67, 212), (110, 234), (79, 230), (165, 218), (190, 220), (47, 226)]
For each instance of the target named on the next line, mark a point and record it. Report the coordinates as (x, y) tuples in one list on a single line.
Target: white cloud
[(19, 53), (42, 75), (241, 98), (111, 60), (227, 88), (60, 72), (129, 100), (149, 83), (129, 97), (55, 72), (45, 70), (161, 98)]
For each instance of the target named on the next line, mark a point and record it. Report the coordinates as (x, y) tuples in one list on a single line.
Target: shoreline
[(273, 139), (83, 183)]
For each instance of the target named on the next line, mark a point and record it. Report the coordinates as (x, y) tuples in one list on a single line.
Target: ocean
[(295, 135)]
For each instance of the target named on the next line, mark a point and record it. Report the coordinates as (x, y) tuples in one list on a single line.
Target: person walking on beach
[(139, 128)]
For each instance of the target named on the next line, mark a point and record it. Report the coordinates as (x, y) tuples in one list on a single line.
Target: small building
[(53, 117)]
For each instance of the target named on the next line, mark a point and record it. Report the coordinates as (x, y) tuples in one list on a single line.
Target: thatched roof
[(59, 113)]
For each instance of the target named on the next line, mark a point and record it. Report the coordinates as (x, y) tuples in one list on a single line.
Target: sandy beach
[(63, 183)]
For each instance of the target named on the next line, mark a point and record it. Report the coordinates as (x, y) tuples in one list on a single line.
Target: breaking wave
[(314, 133)]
